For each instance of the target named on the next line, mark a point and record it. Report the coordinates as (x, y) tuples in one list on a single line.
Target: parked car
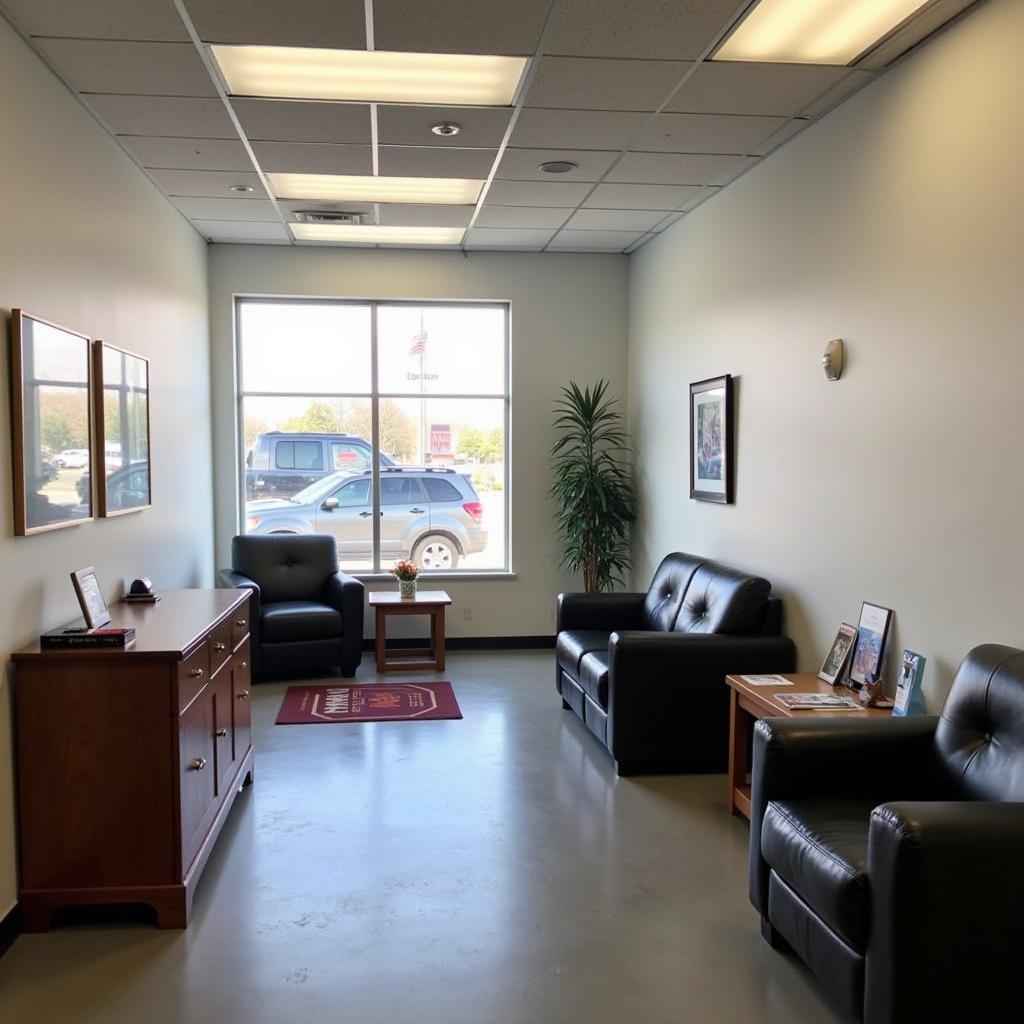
[(126, 488), (72, 458), (279, 464), (430, 515)]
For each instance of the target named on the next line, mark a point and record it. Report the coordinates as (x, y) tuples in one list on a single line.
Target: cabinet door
[(198, 775), (223, 729), (241, 681)]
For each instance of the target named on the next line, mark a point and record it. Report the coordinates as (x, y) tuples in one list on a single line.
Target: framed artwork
[(869, 650), (711, 440), (838, 654), (51, 421), (90, 597), (122, 430)]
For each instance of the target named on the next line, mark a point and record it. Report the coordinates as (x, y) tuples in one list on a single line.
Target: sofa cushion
[(573, 644), (593, 675), (287, 621), (667, 589), (721, 600), (820, 849)]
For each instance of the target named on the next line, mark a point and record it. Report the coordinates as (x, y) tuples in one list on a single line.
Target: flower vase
[(407, 589)]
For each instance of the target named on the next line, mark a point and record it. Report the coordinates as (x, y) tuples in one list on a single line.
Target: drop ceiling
[(626, 91)]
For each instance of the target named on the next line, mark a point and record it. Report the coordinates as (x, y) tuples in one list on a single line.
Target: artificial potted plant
[(406, 572)]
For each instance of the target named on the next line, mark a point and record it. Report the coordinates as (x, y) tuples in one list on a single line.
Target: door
[(223, 728), (401, 501), (241, 677), (198, 774), (350, 521)]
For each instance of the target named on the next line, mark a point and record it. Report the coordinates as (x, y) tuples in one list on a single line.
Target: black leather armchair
[(887, 853), (646, 671), (307, 617)]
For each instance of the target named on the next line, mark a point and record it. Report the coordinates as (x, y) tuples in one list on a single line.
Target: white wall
[(897, 224), (88, 242), (568, 321)]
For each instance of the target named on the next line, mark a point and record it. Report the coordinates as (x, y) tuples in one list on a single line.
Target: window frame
[(375, 396)]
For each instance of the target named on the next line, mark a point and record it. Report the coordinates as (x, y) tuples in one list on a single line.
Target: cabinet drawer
[(223, 730), (239, 624), (197, 765), (193, 675), (220, 646), (241, 680)]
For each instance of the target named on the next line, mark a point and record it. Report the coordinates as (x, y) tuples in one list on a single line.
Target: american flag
[(419, 343)]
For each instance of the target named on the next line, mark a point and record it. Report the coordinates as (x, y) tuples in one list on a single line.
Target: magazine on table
[(766, 680), (816, 702)]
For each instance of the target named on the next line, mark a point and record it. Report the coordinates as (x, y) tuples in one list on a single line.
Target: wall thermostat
[(832, 360)]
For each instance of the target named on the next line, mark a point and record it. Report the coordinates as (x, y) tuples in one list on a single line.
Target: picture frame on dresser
[(122, 431), (51, 424), (711, 440)]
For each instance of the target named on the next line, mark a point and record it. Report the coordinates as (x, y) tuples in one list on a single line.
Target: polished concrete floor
[(485, 871)]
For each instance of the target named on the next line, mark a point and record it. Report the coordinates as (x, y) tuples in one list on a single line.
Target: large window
[(383, 424)]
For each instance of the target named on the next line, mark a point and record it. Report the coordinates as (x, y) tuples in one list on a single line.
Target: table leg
[(438, 631), (739, 756), (380, 637)]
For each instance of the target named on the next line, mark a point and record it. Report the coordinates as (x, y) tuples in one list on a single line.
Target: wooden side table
[(426, 602), (748, 703)]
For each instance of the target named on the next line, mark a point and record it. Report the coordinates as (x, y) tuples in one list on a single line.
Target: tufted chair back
[(980, 736), (721, 600), (286, 568), (667, 589)]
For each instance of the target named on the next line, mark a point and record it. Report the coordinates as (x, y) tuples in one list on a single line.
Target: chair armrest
[(228, 579), (600, 611), (947, 909), (345, 593)]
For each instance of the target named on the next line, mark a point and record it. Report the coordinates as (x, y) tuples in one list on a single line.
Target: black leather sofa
[(888, 853), (307, 617), (646, 671)]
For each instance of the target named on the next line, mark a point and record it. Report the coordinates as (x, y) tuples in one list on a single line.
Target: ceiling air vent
[(327, 217)]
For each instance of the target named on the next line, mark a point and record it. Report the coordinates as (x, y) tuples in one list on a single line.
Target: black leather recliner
[(307, 617), (889, 853), (646, 671)]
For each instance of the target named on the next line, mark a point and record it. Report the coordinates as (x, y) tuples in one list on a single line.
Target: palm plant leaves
[(592, 488)]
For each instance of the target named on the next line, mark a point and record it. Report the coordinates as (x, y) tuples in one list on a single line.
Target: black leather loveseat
[(888, 853), (646, 671)]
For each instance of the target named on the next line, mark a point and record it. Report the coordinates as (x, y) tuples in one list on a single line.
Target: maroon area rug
[(368, 702)]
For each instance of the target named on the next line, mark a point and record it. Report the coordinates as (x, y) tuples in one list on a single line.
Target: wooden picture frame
[(122, 431), (51, 425), (711, 441)]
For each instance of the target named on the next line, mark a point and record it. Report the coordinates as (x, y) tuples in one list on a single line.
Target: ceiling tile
[(651, 29), (615, 220), (242, 231), (501, 238), (754, 88), (98, 19), (536, 193), (587, 83), (854, 80), (594, 241), (226, 209), (143, 69), (436, 162), (707, 133), (482, 127), (313, 158), (702, 196), (784, 134), (211, 184), (640, 197), (677, 168), (429, 215), (482, 26), (324, 23), (295, 121), (576, 129), (524, 164), (523, 216), (194, 154), (164, 115)]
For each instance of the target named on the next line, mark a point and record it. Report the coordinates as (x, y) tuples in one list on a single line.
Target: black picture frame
[(838, 656), (90, 597), (711, 440), (869, 650)]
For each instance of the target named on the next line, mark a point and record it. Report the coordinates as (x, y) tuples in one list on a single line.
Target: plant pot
[(407, 588)]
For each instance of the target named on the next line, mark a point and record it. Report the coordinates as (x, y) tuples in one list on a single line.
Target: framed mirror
[(122, 430), (52, 425)]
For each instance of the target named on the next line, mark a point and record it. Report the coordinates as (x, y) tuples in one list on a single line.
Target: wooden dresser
[(129, 760)]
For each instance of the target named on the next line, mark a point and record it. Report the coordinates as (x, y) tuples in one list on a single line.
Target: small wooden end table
[(426, 602), (749, 703)]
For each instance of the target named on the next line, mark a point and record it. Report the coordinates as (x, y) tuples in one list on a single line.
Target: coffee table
[(748, 703), (426, 602)]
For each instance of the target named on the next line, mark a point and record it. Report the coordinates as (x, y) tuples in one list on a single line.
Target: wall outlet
[(467, 614)]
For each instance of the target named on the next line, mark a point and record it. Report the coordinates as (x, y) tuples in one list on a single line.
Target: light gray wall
[(897, 224), (568, 321), (88, 242)]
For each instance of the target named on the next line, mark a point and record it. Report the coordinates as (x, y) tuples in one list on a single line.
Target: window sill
[(447, 577)]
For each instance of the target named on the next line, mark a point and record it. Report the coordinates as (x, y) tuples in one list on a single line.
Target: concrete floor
[(485, 871)]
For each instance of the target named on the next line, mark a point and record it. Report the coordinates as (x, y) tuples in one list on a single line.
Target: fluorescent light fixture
[(358, 188), (814, 31), (376, 234), (369, 76)]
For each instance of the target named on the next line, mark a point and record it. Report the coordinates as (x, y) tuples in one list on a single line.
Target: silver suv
[(432, 516)]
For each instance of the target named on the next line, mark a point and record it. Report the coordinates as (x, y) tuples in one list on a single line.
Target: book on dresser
[(103, 636)]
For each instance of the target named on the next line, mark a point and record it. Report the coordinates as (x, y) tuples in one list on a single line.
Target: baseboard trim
[(10, 929), (477, 643)]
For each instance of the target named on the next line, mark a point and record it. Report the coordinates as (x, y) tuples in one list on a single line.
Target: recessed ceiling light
[(558, 167), (369, 76), (377, 234), (355, 188), (446, 128), (241, 188), (814, 31)]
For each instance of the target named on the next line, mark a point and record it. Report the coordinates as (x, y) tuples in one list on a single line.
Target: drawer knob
[(220, 647), (244, 664), (240, 622), (244, 695), (196, 673), (198, 764), (221, 733)]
